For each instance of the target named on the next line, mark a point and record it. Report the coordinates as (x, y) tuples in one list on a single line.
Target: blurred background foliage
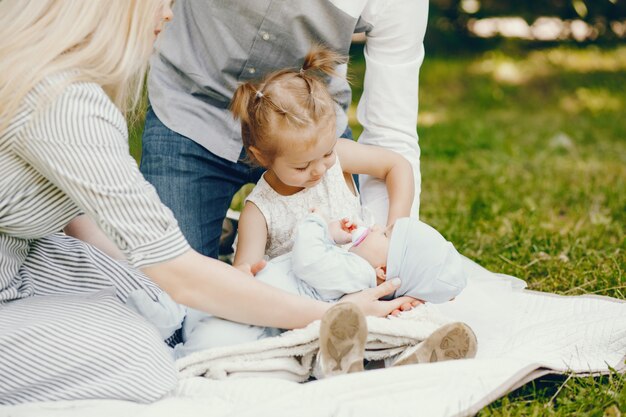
[(456, 25)]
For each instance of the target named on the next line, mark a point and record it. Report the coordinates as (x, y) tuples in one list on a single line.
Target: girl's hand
[(368, 299), (252, 270)]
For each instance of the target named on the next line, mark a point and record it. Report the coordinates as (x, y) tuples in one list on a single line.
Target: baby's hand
[(340, 230), (348, 225)]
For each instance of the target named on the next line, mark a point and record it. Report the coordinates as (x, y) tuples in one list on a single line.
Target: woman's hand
[(368, 299), (409, 305)]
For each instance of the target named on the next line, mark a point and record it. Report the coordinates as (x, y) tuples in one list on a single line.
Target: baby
[(429, 266)]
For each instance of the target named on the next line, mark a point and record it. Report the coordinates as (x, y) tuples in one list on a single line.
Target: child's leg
[(203, 331)]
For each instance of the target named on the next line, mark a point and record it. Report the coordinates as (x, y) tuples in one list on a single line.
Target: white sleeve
[(387, 110)]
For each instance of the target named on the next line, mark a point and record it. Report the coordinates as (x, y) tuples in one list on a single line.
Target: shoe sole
[(343, 333), (449, 342)]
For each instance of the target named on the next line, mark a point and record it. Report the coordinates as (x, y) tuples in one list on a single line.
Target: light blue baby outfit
[(428, 265), (315, 268)]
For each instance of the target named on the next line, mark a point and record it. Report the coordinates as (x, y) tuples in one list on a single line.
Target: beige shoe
[(452, 341), (343, 332)]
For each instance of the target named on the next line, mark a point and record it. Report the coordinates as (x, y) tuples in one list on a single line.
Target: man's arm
[(394, 52)]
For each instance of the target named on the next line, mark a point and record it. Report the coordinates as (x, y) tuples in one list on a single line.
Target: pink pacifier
[(359, 235)]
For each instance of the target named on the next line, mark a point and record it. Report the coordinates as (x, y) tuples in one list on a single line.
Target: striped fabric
[(73, 338), (64, 331)]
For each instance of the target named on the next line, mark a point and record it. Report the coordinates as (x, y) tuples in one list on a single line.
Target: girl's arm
[(387, 165), (252, 236)]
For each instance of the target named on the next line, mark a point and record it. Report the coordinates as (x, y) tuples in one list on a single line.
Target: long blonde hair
[(292, 97), (107, 42)]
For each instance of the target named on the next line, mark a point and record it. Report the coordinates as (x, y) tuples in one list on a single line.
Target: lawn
[(524, 169)]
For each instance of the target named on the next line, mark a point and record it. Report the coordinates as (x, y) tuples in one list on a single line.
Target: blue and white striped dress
[(64, 330)]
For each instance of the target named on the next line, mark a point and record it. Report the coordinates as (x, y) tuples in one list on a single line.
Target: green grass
[(524, 169)]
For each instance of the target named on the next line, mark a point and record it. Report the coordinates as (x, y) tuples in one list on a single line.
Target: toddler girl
[(288, 127)]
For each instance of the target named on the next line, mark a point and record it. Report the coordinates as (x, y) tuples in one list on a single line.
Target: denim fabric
[(195, 184)]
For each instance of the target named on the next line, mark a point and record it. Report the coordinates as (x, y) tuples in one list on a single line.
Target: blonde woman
[(69, 70)]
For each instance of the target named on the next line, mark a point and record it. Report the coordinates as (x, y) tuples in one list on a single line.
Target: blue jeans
[(195, 184)]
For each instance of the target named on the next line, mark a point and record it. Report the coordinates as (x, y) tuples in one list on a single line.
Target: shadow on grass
[(564, 395)]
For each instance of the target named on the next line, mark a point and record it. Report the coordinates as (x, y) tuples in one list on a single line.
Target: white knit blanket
[(290, 356), (521, 335)]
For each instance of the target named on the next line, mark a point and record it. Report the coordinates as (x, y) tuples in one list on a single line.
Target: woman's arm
[(219, 289), (97, 173), (252, 236), (85, 229), (386, 165)]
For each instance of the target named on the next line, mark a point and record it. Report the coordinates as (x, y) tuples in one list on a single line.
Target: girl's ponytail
[(289, 98), (320, 61), (241, 102), (324, 60), (244, 107)]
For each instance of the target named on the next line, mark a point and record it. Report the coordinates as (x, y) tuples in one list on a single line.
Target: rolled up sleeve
[(79, 142)]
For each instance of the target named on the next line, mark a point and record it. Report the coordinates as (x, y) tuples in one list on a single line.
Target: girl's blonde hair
[(108, 42), (289, 98)]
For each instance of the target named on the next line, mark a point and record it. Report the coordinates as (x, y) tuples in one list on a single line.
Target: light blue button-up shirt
[(211, 46)]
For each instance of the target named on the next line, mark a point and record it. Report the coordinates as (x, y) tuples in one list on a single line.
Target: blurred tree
[(448, 19)]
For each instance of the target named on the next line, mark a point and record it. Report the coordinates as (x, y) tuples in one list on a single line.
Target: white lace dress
[(331, 196)]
